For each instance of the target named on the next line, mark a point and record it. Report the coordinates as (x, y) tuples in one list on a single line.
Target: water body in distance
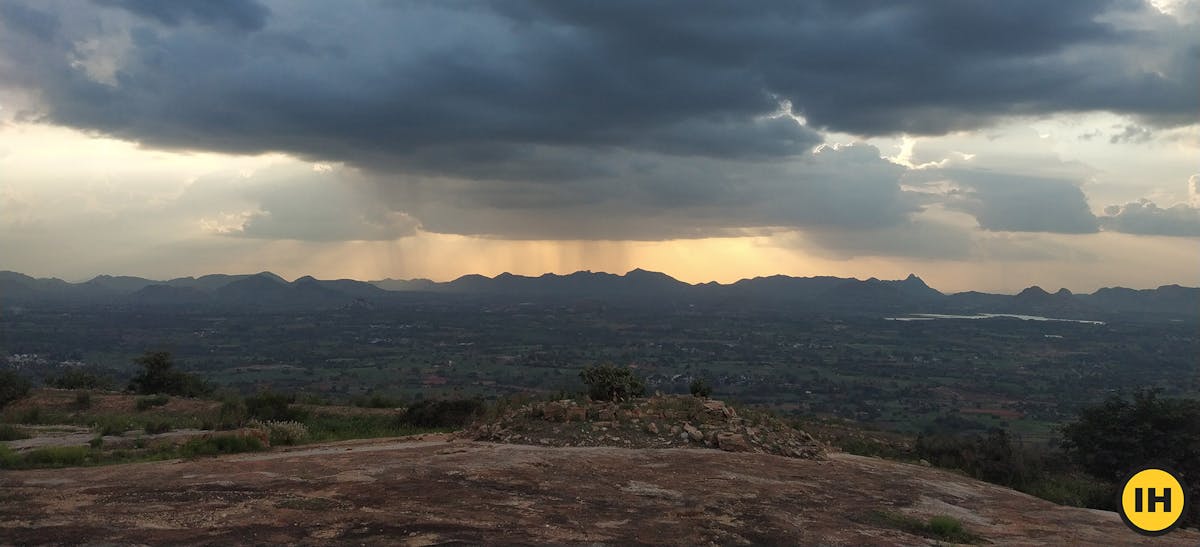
[(935, 316)]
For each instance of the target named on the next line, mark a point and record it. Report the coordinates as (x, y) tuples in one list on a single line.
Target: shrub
[(79, 378), (57, 456), (10, 433), (83, 400), (32, 415), (946, 527), (268, 406), (157, 426), (992, 458), (13, 386), (146, 403), (700, 388), (8, 458), (220, 444), (610, 383), (442, 414), (111, 425), (232, 414), (376, 401), (96, 442), (282, 433)]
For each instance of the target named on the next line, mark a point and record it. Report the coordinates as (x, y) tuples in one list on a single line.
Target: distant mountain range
[(638, 287)]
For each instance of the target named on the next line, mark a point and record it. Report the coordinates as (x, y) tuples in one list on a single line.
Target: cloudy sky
[(982, 145)]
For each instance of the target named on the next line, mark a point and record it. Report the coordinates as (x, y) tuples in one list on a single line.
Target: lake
[(936, 316)]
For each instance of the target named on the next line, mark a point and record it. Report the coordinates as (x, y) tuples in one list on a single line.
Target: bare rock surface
[(430, 491)]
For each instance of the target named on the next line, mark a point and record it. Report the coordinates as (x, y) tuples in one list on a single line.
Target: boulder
[(733, 442), (576, 414), (692, 432), (554, 412)]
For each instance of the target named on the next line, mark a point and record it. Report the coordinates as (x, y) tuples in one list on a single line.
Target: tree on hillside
[(610, 383), (1120, 436), (159, 376), (700, 388), (13, 386)]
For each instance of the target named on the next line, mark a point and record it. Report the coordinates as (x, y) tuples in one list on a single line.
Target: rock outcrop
[(656, 422)]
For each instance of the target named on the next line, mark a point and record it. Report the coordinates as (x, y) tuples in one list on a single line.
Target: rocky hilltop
[(657, 422)]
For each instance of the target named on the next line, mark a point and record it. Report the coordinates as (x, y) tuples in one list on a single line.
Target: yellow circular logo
[(1152, 501)]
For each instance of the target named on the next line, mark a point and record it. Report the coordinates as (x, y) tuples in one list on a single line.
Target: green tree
[(159, 376), (1120, 436), (700, 388), (269, 406), (13, 386), (610, 383)]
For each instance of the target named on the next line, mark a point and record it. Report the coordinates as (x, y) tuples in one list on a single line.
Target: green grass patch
[(10, 433), (57, 456), (329, 427), (146, 403), (939, 527), (1074, 489), (157, 426), (220, 444)]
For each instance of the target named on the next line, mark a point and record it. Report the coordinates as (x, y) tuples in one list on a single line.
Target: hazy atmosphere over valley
[(981, 145)]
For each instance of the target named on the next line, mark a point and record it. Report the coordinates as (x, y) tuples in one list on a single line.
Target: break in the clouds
[(627, 120)]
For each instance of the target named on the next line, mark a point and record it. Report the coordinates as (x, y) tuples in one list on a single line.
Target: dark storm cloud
[(1145, 218), (243, 15), (392, 79), (649, 196), (22, 18), (1019, 203), (601, 119)]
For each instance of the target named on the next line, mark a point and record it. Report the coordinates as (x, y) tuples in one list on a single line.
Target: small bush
[(700, 388), (57, 456), (610, 383), (10, 433), (13, 386), (376, 401), (156, 427), (442, 414), (220, 444), (96, 442), (111, 425), (233, 413), (78, 378), (32, 415), (945, 527), (268, 406), (8, 458), (146, 403), (83, 400), (282, 433)]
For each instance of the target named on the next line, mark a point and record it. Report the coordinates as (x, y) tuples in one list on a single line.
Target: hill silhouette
[(637, 287)]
